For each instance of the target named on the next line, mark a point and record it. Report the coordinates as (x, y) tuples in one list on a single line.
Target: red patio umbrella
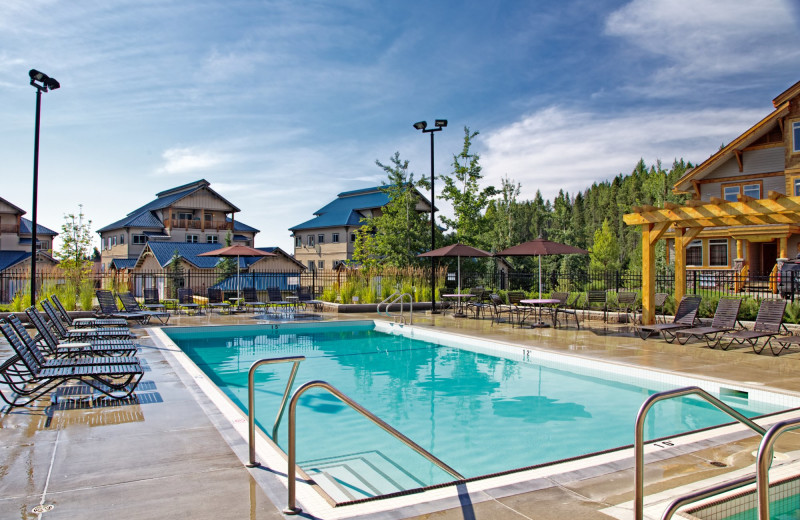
[(237, 251), (458, 250), (541, 247)]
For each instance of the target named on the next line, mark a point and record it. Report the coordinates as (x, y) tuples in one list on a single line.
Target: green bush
[(86, 295)]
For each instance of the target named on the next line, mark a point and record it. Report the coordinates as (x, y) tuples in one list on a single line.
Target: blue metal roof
[(25, 228), (12, 258), (261, 281), (241, 226), (123, 263), (343, 211), (164, 251)]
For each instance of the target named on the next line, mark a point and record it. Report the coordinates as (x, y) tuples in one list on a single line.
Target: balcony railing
[(198, 224), (9, 228)]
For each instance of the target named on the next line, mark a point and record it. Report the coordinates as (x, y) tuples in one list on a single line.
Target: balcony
[(184, 223), (9, 228)]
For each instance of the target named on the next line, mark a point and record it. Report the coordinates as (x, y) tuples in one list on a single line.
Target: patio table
[(537, 305), (459, 299)]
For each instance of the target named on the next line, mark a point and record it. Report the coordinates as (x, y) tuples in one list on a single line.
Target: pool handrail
[(291, 473), (638, 445), (251, 402), (394, 298), (764, 461), (706, 493)]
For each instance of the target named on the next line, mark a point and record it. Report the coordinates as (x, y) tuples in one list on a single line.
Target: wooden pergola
[(777, 216)]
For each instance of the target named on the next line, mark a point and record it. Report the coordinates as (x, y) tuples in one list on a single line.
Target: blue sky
[(281, 105)]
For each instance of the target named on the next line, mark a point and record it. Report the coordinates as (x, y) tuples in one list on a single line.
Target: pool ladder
[(763, 458), (291, 507), (393, 298)]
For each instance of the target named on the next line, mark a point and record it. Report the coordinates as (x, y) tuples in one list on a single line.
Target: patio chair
[(685, 317), (108, 308), (514, 299), (186, 302), (566, 308), (53, 350), (85, 322), (769, 323), (151, 300), (82, 334), (725, 320), (251, 299), (479, 304), (660, 304), (626, 304), (130, 304), (500, 308), (276, 299), (215, 301), (305, 298), (596, 298), (118, 347), (29, 378)]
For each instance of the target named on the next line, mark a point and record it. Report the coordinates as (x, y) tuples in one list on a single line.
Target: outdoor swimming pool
[(481, 407)]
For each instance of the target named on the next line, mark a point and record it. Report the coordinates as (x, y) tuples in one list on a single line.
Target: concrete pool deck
[(168, 453)]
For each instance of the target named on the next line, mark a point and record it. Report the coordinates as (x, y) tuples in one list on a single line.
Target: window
[(122, 239), (352, 237), (310, 242), (184, 216), (335, 238), (208, 217), (191, 239), (114, 240), (797, 187), (694, 253), (796, 136), (321, 264), (139, 239), (320, 239), (41, 246), (212, 239), (311, 265), (298, 241), (108, 243), (751, 189), (718, 252)]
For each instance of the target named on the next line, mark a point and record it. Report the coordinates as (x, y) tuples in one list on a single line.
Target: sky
[(281, 105)]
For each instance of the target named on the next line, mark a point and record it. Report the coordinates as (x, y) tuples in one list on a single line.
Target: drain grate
[(42, 509)]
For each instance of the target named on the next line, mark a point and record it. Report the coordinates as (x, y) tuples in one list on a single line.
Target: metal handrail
[(291, 507), (251, 402), (638, 447), (764, 461), (706, 493), (395, 297), (386, 301)]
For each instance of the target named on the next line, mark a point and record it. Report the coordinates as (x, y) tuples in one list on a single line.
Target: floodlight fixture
[(42, 81), (441, 123), (422, 125)]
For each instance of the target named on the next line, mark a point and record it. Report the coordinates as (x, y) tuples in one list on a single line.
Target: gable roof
[(12, 258), (767, 124), (247, 262), (145, 216), (13, 206), (345, 209), (25, 226), (163, 252)]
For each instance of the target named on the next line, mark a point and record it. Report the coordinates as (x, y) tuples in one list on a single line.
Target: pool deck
[(168, 453)]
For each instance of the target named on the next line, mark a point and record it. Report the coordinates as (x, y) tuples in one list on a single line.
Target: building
[(762, 163), (329, 238), (189, 214)]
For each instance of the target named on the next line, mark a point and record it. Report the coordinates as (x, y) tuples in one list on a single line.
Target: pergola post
[(680, 265), (648, 275)]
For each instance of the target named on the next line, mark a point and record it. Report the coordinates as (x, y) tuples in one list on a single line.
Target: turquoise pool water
[(479, 413)]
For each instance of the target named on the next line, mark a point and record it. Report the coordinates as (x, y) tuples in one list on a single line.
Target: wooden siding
[(203, 200), (765, 160)]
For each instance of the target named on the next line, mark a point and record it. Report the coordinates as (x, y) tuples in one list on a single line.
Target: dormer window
[(796, 137)]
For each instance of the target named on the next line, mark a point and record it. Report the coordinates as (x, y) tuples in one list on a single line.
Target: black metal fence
[(704, 282)]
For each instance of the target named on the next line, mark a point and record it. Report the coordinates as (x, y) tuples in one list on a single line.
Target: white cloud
[(708, 39), (559, 148), (188, 160)]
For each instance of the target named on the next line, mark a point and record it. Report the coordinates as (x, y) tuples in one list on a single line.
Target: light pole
[(42, 82), (423, 125)]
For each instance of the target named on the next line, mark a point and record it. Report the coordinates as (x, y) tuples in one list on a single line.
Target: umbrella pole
[(237, 278), (459, 275), (540, 277)]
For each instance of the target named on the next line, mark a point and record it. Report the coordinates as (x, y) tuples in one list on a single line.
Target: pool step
[(360, 475)]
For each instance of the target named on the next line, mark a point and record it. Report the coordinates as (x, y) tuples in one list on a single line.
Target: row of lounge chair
[(97, 352), (217, 302), (725, 328)]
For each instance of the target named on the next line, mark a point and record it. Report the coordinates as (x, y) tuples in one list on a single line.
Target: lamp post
[(423, 126), (42, 82)]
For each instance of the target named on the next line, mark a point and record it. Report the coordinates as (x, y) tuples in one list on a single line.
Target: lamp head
[(422, 125), (42, 81), (441, 123)]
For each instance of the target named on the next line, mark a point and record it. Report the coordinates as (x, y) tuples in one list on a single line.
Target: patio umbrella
[(237, 251), (457, 250), (541, 247)]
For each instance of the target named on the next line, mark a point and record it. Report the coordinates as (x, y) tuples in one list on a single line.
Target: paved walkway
[(169, 454)]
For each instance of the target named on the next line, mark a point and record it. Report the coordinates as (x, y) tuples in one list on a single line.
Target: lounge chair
[(626, 304), (151, 300), (82, 334), (276, 299), (29, 376), (130, 304), (94, 346), (784, 341), (685, 317), (725, 320), (80, 353), (566, 308), (215, 301), (186, 302), (251, 299), (85, 322), (108, 308), (769, 323), (660, 302), (305, 298)]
